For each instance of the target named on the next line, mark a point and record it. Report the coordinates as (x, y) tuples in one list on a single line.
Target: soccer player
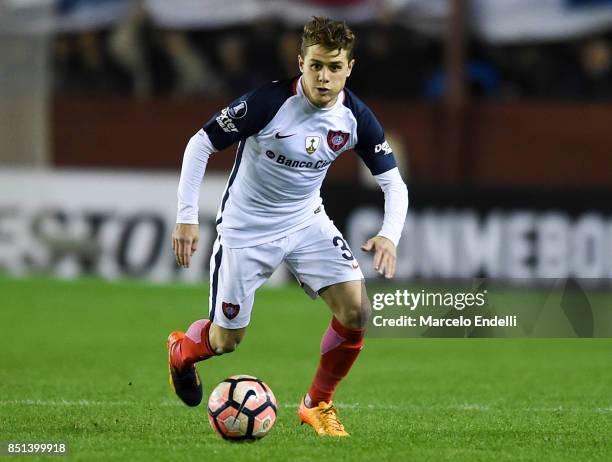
[(288, 134)]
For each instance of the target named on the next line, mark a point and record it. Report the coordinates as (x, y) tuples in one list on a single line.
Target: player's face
[(324, 74)]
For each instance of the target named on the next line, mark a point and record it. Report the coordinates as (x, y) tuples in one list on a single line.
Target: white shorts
[(318, 256)]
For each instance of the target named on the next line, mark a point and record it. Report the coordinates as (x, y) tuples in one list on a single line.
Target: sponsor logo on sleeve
[(225, 122), (383, 147), (337, 139), (312, 144)]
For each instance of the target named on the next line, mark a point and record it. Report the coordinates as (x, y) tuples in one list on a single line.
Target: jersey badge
[(336, 139), (312, 144), (238, 111), (230, 310)]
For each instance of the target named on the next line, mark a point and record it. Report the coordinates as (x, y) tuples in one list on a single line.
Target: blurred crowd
[(134, 57), (137, 58), (578, 69)]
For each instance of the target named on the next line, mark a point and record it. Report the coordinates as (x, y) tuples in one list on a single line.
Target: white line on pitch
[(393, 407), (65, 402)]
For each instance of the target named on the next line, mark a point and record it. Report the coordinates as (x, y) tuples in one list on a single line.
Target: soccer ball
[(242, 407)]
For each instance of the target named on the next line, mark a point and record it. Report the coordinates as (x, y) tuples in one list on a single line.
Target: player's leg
[(340, 346), (224, 340), (203, 340), (343, 339), (235, 275), (324, 264), (349, 303)]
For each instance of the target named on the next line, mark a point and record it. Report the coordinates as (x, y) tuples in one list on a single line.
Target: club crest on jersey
[(337, 139), (230, 310), (312, 144)]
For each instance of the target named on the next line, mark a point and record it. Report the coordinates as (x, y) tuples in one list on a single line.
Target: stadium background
[(499, 113)]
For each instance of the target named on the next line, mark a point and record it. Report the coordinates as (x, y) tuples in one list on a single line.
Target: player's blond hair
[(330, 34)]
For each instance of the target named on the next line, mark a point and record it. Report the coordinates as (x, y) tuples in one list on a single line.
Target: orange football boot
[(322, 418), (184, 380)]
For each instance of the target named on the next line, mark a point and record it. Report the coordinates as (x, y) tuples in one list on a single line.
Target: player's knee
[(366, 311), (354, 315), (350, 304), (225, 340), (227, 344), (226, 347), (350, 318)]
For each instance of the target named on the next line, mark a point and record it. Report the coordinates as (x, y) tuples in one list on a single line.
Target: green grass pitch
[(85, 362)]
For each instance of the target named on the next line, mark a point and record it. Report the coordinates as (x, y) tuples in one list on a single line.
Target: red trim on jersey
[(295, 83)]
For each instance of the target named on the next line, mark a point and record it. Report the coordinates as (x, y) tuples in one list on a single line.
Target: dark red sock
[(340, 347), (195, 346)]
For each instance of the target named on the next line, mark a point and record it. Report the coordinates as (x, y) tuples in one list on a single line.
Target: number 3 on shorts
[(346, 252)]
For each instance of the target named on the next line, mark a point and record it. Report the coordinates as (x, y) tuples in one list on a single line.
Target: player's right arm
[(223, 129), (186, 233), (242, 118)]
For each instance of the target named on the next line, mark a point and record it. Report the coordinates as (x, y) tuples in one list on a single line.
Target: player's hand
[(384, 255), (185, 240)]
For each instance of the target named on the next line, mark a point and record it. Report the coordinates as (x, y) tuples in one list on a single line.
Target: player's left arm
[(378, 157), (384, 244)]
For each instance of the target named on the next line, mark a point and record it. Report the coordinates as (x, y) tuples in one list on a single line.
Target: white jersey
[(286, 144)]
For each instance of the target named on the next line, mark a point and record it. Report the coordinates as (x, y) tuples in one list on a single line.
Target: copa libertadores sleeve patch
[(248, 114)]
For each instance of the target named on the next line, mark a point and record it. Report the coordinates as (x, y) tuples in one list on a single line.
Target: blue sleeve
[(247, 115), (371, 144)]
